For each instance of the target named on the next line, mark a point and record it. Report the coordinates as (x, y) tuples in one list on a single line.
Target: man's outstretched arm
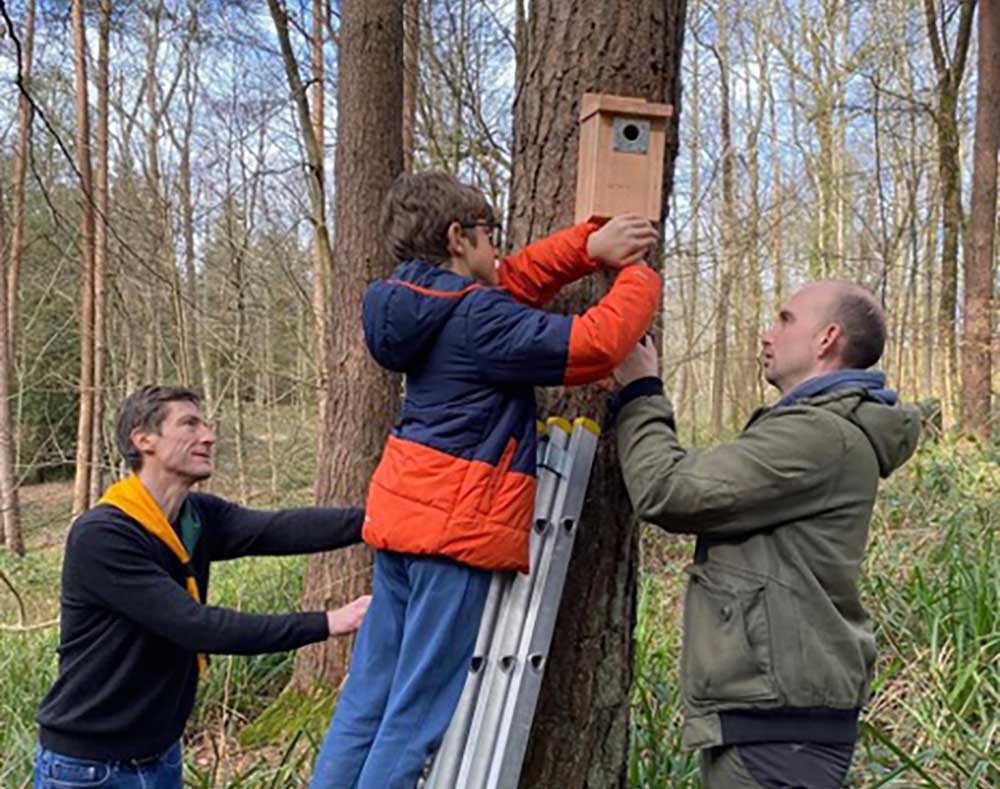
[(114, 569), (733, 488), (235, 531)]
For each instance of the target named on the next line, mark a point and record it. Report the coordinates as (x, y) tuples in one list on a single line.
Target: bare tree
[(315, 182), (85, 424), (10, 526), (100, 253), (362, 399), (10, 261), (324, 264), (949, 66), (580, 735), (24, 113), (980, 257), (729, 265)]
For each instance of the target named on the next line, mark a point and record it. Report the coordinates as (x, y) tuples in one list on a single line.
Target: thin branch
[(21, 611)]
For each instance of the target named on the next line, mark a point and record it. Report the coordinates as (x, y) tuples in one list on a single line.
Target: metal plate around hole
[(630, 135)]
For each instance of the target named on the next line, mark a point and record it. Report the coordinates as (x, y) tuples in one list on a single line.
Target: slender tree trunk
[(362, 398), (980, 258), (10, 524), (270, 404), (85, 425), (196, 353), (688, 400), (24, 115), (778, 222), (950, 175), (16, 251), (729, 263), (581, 729), (100, 254), (950, 72), (321, 243)]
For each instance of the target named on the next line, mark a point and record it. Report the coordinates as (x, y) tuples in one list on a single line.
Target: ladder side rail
[(486, 720), (536, 638)]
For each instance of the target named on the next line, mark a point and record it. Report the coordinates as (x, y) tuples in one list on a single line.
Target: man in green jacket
[(778, 651)]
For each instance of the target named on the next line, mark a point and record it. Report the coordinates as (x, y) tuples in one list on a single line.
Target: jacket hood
[(402, 315), (892, 430)]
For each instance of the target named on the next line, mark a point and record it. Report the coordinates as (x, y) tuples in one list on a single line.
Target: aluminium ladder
[(485, 743)]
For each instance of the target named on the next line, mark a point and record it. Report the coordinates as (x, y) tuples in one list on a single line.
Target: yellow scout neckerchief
[(131, 497)]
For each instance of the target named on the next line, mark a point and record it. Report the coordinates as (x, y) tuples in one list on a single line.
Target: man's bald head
[(826, 326), (860, 316)]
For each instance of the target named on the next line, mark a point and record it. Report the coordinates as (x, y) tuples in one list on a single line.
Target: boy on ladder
[(453, 495)]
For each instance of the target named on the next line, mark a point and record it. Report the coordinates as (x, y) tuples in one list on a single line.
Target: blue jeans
[(409, 665), (56, 771)]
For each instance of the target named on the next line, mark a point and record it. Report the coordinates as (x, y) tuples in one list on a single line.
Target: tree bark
[(10, 525), (24, 115), (100, 253), (81, 486), (730, 252), (362, 398), (10, 271), (321, 243), (411, 79), (977, 334), (580, 733)]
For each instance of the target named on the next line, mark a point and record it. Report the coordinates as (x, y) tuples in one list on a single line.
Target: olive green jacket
[(773, 617)]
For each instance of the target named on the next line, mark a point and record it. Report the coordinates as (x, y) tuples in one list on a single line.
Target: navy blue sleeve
[(233, 531), (513, 343)]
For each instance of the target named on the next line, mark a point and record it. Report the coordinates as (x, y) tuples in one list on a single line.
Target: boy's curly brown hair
[(419, 208)]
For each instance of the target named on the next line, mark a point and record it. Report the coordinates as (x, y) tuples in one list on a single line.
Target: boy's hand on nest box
[(622, 241)]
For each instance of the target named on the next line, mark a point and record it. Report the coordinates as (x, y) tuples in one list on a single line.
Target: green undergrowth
[(931, 582)]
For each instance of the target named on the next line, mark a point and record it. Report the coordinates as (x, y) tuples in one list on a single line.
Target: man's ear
[(142, 440), (830, 340), (456, 237)]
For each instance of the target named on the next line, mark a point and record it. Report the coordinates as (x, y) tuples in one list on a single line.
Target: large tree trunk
[(361, 397), (580, 735), (977, 335), (81, 487)]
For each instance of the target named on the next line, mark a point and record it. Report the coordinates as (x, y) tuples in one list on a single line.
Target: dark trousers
[(776, 765)]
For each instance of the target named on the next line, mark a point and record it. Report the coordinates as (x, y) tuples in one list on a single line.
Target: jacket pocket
[(726, 652), (497, 476)]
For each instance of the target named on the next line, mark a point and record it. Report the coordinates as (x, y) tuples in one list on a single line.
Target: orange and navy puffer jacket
[(457, 476)]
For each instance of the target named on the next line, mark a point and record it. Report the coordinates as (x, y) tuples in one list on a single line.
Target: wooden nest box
[(620, 163)]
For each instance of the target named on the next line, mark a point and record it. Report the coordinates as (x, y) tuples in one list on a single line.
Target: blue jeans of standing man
[(58, 771), (409, 665)]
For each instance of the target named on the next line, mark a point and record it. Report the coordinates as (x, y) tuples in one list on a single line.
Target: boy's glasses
[(494, 229)]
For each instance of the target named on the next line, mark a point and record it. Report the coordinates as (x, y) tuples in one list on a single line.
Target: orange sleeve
[(603, 336), (534, 274)]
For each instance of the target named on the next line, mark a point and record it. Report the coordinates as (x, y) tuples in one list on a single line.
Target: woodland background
[(189, 193)]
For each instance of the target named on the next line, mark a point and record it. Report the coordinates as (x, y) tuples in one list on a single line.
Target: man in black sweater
[(134, 632)]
